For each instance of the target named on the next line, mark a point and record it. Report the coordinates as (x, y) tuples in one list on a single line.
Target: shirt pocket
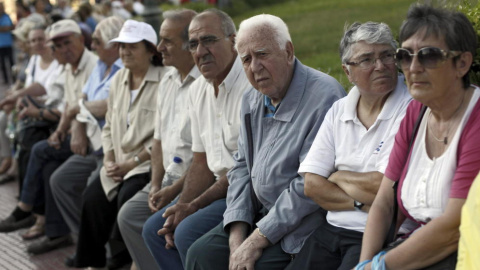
[(230, 137)]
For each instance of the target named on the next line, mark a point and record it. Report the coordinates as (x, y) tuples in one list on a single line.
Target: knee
[(150, 229), (39, 147), (198, 256), (124, 217)]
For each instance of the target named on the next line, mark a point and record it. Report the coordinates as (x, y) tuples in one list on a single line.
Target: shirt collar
[(152, 75), (175, 76), (83, 62), (232, 76), (294, 94)]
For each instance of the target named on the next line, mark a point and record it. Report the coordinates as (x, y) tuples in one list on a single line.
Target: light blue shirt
[(280, 143), (6, 39), (97, 87)]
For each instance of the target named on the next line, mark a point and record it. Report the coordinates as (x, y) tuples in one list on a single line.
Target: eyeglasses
[(369, 62), (206, 41), (428, 57)]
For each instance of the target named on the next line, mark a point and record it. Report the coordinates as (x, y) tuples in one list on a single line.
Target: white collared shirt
[(343, 143), (172, 121), (216, 120)]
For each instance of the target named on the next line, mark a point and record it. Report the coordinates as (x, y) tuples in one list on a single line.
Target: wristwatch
[(137, 160), (358, 205)]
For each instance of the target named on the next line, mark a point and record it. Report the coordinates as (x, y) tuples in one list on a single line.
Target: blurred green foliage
[(472, 11)]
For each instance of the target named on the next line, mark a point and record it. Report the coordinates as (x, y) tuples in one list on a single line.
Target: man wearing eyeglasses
[(214, 108), (348, 158)]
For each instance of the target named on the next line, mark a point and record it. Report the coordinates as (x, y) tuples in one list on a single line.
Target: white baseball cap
[(64, 28), (134, 31)]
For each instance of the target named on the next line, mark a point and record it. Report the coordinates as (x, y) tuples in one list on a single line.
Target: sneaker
[(47, 244), (10, 224)]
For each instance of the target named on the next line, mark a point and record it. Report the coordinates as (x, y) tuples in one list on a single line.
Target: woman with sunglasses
[(436, 164)]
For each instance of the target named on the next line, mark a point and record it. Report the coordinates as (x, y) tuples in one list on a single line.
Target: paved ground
[(12, 248)]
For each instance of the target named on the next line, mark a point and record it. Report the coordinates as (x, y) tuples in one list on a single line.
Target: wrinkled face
[(214, 59), (71, 47), (99, 46), (37, 41), (135, 56), (268, 67), (381, 78), (430, 84), (171, 43)]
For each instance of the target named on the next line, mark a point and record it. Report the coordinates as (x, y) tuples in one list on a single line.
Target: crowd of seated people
[(204, 147)]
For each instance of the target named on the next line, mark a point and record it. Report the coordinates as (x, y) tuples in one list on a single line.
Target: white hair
[(277, 26)]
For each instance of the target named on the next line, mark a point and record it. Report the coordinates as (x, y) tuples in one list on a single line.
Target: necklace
[(445, 139)]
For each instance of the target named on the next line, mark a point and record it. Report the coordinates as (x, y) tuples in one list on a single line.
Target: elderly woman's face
[(36, 40), (380, 78), (135, 55), (428, 84)]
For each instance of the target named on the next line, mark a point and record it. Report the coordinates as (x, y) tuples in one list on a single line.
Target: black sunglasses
[(429, 57)]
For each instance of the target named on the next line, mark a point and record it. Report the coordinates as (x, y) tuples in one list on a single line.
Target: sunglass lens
[(403, 58), (430, 57)]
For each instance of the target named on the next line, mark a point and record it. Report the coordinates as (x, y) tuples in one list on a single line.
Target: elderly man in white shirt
[(214, 101), (172, 145)]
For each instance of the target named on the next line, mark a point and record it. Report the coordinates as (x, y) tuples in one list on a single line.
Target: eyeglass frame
[(445, 56), (211, 39), (373, 61)]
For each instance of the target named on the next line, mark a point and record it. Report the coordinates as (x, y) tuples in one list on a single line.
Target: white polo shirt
[(172, 121), (343, 143), (216, 120)]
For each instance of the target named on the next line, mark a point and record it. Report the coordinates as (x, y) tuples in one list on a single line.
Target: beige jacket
[(126, 142)]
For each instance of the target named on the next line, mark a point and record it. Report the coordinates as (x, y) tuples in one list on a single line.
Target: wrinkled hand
[(28, 111), (174, 215), (56, 138), (79, 143), (117, 171), (159, 198), (245, 256)]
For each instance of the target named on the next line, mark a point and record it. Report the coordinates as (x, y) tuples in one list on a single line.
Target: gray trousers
[(68, 183), (130, 220), (5, 148)]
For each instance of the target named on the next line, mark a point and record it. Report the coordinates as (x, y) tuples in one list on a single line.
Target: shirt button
[(219, 115), (217, 137)]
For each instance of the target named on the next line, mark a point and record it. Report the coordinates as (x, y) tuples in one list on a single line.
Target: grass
[(316, 26)]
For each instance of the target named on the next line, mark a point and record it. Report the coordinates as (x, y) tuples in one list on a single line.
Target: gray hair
[(109, 29), (227, 24), (181, 16), (452, 26), (370, 32), (273, 24)]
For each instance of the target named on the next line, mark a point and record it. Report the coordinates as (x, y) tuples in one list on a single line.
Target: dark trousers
[(329, 247), (6, 53), (211, 252), (99, 218)]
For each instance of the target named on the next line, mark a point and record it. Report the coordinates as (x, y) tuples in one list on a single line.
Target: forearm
[(64, 123), (6, 28), (376, 230), (238, 232), (431, 243), (199, 178), (215, 192), (327, 194), (35, 89), (51, 114), (158, 170), (97, 108), (361, 187), (109, 156)]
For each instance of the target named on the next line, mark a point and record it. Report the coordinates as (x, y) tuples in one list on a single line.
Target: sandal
[(37, 230)]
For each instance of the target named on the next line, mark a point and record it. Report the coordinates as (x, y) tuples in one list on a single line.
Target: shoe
[(70, 261), (10, 224), (37, 230), (119, 260), (48, 244)]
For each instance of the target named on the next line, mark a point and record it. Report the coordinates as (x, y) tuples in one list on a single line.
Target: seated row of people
[(258, 161)]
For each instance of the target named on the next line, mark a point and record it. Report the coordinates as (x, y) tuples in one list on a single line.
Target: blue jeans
[(186, 233), (41, 154)]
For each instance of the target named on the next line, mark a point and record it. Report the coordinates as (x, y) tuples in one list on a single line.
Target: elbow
[(309, 186)]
